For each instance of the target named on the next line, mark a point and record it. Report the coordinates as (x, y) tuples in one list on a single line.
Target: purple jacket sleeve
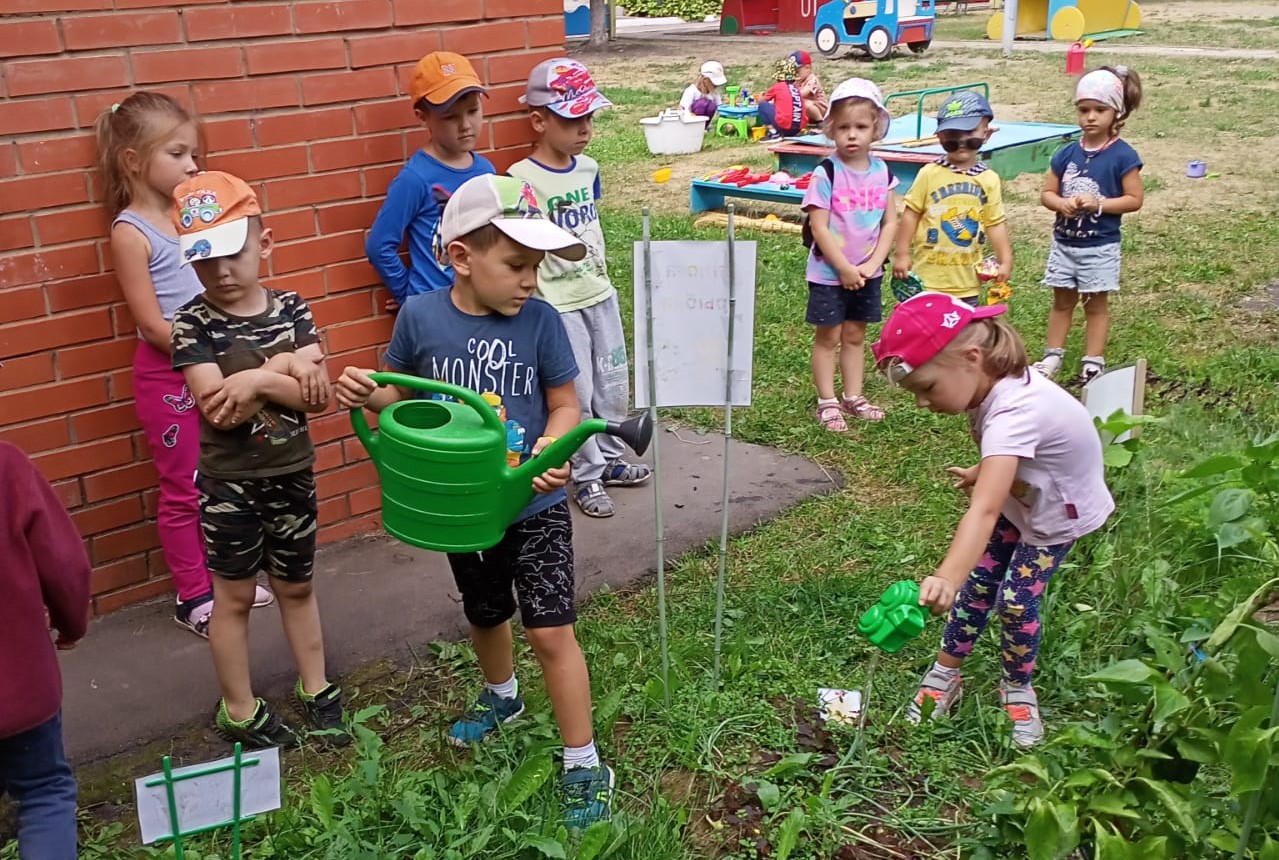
[(56, 547)]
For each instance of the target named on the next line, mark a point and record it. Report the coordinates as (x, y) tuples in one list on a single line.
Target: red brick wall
[(307, 101)]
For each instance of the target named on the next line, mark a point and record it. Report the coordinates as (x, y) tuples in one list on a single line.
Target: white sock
[(505, 690), (586, 756), (945, 671)]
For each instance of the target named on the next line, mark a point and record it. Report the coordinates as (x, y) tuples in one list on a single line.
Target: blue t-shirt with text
[(413, 206), (517, 358), (1100, 174)]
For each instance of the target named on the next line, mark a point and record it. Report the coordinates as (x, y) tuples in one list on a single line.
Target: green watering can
[(446, 485), (896, 619)]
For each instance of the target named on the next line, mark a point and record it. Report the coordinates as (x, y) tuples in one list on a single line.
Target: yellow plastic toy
[(1068, 20)]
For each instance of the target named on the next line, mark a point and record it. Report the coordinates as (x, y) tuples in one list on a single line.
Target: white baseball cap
[(715, 71), (511, 206), (860, 88)]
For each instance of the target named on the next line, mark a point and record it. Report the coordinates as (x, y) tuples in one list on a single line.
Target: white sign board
[(690, 323), (1119, 388), (206, 801)]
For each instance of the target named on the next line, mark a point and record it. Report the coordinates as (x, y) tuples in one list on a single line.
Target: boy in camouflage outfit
[(252, 360)]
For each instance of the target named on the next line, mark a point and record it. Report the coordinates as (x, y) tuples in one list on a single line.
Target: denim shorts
[(831, 304), (1090, 269)]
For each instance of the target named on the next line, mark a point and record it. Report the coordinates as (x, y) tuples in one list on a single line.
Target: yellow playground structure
[(1070, 20)]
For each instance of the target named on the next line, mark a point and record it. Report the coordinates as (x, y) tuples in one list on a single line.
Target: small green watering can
[(446, 485), (896, 619)]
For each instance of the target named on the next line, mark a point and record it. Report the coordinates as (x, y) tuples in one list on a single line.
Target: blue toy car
[(874, 26)]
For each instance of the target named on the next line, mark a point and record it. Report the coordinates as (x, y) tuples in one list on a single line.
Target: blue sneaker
[(588, 796), (484, 717)]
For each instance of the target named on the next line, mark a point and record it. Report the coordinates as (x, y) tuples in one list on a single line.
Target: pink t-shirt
[(856, 201), (1060, 491)]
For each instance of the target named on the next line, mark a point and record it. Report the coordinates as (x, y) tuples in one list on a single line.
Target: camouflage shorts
[(253, 524)]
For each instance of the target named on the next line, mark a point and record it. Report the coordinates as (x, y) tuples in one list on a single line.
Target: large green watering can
[(446, 483)]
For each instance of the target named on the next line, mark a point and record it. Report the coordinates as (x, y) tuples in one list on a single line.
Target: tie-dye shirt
[(856, 201)]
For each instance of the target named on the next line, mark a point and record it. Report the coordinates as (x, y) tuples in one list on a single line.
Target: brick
[(28, 38), (8, 159), (297, 56), (342, 15), (118, 574), (350, 528), (329, 427), (120, 384), (227, 134), (365, 500), (107, 603), (263, 163), (510, 68), (53, 332), (502, 36), (302, 127), (328, 457), (90, 106), (350, 276), (384, 116), (71, 225), (385, 48), (111, 515), (23, 7), (48, 264), (256, 94), (347, 86), (511, 131), (96, 358), (86, 292), (133, 539), (378, 179), (290, 193), (53, 399), (346, 479), (115, 420), (21, 303), (65, 74), (32, 116), (318, 252), (118, 482), (358, 151), (341, 217), (353, 450), (333, 511), (309, 285), (522, 8), (123, 323), (341, 309), (68, 493), (102, 454), (146, 4), (150, 503), (546, 32), (15, 233), (368, 332), (87, 32), (237, 21), (503, 100), (366, 357), (188, 64), (26, 371), (504, 158), (435, 12), (288, 226), (38, 435)]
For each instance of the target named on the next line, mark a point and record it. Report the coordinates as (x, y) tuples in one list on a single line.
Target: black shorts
[(831, 304), (253, 524), (535, 558)]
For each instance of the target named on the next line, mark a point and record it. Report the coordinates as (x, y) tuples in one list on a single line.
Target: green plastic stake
[(896, 619), (168, 780)]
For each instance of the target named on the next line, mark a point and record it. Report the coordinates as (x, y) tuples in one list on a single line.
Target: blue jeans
[(34, 770)]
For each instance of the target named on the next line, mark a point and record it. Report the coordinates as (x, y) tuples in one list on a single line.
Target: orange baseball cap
[(442, 77), (211, 212)]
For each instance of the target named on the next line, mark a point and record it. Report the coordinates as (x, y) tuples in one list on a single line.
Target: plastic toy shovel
[(896, 619)]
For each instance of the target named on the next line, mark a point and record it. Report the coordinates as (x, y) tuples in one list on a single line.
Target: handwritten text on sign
[(690, 323)]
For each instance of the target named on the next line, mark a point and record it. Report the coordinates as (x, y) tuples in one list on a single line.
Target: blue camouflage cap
[(963, 111)]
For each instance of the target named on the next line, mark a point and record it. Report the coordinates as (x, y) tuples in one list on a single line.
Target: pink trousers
[(172, 426)]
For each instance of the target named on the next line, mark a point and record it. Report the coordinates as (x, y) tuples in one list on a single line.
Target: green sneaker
[(323, 712), (588, 796), (263, 729)]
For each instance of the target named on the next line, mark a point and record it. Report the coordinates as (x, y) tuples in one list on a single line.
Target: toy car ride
[(874, 26)]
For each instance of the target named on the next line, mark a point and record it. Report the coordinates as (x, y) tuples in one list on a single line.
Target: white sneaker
[(1022, 706), (1090, 367), (262, 597), (1050, 363), (944, 688)]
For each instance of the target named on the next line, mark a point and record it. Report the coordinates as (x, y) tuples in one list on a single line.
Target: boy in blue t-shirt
[(446, 99), (489, 333)]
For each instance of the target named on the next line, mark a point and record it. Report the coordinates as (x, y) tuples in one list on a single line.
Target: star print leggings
[(1010, 580)]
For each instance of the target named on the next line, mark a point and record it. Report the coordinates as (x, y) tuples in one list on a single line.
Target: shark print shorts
[(535, 561)]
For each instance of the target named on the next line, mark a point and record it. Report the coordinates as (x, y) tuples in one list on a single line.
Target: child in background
[(955, 207), (1038, 488), (496, 236), (704, 96), (252, 359), (562, 100), (852, 210), (781, 107), (43, 569), (1090, 185), (147, 144), (446, 99), (810, 88)]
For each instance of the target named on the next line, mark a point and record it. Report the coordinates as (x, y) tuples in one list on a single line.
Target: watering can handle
[(488, 414)]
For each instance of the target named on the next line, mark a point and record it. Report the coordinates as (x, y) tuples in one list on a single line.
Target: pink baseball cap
[(860, 88), (923, 326)]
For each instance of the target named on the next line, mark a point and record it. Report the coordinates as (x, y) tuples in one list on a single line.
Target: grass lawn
[(745, 771)]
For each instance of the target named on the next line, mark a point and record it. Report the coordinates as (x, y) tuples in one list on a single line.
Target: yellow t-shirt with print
[(955, 208)]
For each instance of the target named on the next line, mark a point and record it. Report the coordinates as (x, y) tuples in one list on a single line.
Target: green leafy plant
[(689, 10)]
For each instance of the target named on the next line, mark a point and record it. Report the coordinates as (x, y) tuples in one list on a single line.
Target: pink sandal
[(829, 416), (860, 407)]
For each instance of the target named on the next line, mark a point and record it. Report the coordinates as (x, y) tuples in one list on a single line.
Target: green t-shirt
[(569, 198)]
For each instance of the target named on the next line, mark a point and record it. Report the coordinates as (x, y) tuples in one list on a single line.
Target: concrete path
[(138, 677)]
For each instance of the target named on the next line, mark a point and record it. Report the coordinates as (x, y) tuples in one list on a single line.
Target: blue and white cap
[(963, 111)]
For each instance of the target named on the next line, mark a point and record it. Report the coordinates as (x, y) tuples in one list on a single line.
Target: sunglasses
[(953, 144)]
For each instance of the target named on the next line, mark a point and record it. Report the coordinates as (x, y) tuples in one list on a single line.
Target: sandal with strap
[(860, 407), (593, 501), (829, 416)]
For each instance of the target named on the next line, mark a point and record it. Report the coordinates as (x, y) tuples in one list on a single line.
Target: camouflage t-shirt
[(275, 441)]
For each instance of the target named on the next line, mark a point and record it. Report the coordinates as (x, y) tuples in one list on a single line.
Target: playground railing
[(920, 95)]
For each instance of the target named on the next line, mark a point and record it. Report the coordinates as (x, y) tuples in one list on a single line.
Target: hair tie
[(115, 107)]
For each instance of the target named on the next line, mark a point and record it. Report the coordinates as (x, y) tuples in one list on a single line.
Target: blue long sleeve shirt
[(413, 206)]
